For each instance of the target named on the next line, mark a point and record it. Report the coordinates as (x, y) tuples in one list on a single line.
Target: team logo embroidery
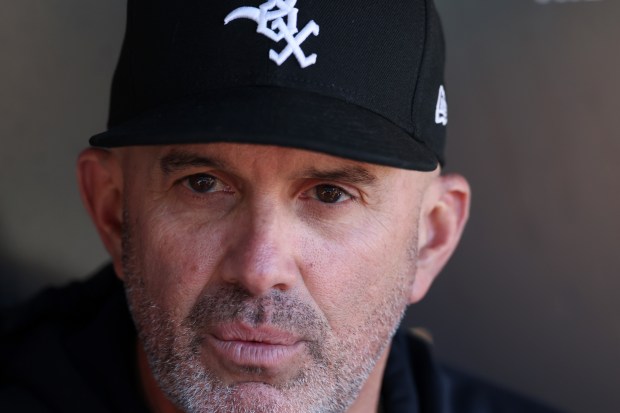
[(270, 19), (441, 113)]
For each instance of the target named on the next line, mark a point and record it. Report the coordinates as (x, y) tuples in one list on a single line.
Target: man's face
[(265, 278)]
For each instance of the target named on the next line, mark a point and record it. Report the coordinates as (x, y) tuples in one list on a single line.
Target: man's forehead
[(252, 159), (232, 156)]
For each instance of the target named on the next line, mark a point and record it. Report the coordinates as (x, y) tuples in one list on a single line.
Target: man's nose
[(261, 256)]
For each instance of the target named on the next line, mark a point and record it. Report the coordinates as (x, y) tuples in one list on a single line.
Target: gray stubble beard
[(330, 385)]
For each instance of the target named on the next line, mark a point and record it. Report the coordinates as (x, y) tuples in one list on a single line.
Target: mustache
[(280, 309)]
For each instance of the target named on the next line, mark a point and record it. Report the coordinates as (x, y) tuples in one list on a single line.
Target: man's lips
[(265, 347)]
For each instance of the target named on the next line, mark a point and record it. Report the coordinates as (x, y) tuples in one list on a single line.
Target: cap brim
[(275, 116)]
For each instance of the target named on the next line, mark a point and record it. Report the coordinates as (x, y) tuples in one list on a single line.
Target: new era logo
[(269, 17), (441, 112)]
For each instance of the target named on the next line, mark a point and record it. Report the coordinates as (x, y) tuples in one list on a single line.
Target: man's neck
[(369, 397), (155, 399)]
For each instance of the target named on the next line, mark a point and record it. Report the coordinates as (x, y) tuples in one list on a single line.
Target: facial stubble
[(330, 379)]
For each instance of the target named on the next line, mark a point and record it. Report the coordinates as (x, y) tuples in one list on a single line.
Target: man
[(269, 191)]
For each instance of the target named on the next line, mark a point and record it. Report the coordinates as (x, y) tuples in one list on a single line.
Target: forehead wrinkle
[(178, 160)]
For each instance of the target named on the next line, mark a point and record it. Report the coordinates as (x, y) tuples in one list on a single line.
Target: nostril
[(282, 287), (260, 269)]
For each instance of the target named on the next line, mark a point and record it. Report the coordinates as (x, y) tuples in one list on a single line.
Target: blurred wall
[(529, 298), (56, 63)]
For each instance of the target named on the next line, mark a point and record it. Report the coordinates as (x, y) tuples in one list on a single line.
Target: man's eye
[(202, 183), (331, 194)]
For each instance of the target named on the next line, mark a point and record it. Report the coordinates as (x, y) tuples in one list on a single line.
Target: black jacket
[(72, 350)]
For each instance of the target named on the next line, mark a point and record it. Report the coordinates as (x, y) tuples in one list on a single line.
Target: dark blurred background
[(529, 300)]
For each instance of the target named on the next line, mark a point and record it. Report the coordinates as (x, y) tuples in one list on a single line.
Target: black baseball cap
[(357, 79)]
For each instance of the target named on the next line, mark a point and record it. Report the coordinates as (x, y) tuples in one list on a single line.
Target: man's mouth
[(264, 347)]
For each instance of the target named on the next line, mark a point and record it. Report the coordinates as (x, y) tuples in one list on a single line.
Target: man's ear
[(444, 212), (101, 187)]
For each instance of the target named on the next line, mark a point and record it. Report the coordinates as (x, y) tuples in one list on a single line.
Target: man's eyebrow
[(179, 160), (350, 174)]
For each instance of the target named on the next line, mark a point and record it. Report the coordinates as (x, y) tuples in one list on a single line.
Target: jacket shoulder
[(440, 388), (42, 345), (17, 399), (468, 393)]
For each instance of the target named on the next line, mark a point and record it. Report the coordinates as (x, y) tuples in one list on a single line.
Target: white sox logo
[(278, 29)]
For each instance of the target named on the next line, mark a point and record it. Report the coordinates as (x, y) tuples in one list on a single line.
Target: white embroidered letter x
[(278, 29)]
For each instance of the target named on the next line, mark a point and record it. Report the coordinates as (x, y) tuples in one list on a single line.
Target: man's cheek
[(180, 259), (348, 276)]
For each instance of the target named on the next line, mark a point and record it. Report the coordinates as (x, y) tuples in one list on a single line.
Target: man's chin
[(253, 392), (255, 397)]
